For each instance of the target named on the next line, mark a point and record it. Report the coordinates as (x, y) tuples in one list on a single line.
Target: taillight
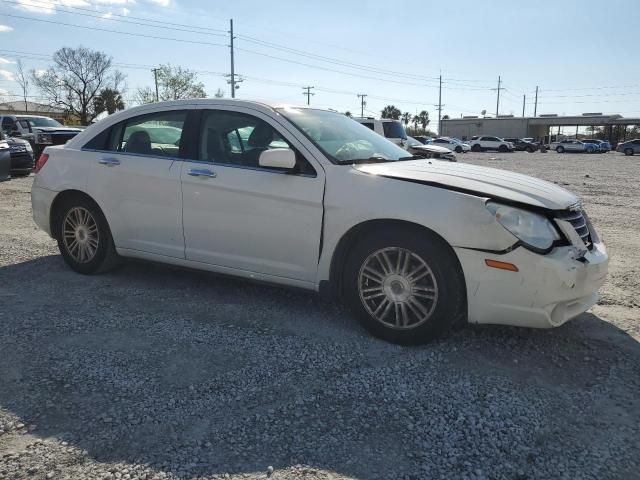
[(41, 161)]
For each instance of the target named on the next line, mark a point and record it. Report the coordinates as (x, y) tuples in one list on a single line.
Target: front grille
[(62, 138), (21, 160), (576, 217)]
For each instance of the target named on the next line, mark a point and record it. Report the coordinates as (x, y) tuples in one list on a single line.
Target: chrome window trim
[(245, 167)]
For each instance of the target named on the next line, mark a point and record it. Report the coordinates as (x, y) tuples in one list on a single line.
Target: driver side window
[(237, 139)]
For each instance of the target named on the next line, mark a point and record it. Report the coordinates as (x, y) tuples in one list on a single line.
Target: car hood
[(483, 181), (431, 148), (57, 129)]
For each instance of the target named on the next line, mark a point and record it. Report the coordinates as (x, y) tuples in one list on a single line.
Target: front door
[(135, 178), (241, 216)]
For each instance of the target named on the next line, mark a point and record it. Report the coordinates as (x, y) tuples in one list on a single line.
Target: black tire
[(458, 149), (105, 257), (476, 148), (628, 152), (503, 149), (560, 149), (531, 149), (448, 308)]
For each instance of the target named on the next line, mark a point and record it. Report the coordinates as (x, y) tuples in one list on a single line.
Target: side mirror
[(283, 158)]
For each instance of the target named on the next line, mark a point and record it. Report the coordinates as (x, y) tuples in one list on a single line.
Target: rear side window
[(393, 130), (156, 134), (100, 141), (368, 125)]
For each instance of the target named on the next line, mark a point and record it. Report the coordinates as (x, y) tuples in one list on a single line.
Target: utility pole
[(155, 76), (535, 105), (498, 101), (233, 74), (440, 107), (308, 94), (524, 102), (362, 96)]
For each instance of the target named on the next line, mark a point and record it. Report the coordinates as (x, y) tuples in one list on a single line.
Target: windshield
[(342, 139), (393, 130), (40, 121)]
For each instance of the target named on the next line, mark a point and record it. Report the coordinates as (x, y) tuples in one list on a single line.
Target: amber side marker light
[(501, 265)]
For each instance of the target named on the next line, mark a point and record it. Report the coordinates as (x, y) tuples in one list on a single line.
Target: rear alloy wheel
[(84, 238), (628, 151), (476, 148), (405, 288), (560, 149)]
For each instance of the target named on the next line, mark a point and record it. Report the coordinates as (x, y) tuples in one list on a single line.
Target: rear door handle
[(109, 161), (201, 172)]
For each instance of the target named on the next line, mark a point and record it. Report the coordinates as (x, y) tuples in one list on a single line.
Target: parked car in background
[(523, 145), (5, 159), (416, 148), (454, 144), (411, 246), (22, 160), (37, 130), (574, 146), (629, 148), (422, 139), (603, 145), (482, 143), (387, 127)]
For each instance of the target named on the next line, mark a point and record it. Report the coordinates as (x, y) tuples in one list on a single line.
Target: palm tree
[(424, 119), (406, 118), (391, 111), (108, 100), (445, 117), (416, 121)]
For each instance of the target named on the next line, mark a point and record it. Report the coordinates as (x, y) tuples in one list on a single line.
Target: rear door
[(135, 178), (240, 216)]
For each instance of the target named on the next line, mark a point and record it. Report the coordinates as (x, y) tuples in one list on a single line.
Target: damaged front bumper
[(546, 291)]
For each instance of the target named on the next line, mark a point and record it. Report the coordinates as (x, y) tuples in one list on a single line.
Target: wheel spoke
[(373, 274), (373, 292), (384, 262), (383, 308), (416, 307)]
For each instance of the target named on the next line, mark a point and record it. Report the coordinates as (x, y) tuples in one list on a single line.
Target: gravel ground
[(154, 372)]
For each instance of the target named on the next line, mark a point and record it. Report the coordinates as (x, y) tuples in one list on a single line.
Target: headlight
[(44, 139), (533, 230), (28, 147)]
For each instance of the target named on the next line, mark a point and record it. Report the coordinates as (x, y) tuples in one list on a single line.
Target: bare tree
[(76, 78), (22, 78), (174, 83)]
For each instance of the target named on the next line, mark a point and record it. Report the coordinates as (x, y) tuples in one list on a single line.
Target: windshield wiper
[(375, 159), (411, 157)]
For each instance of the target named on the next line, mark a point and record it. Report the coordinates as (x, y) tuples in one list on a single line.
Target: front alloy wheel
[(404, 284), (397, 288)]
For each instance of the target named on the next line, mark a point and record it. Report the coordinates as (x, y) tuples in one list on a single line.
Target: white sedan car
[(452, 144), (309, 198)]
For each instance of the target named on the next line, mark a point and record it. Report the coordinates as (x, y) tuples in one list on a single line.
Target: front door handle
[(201, 172), (109, 161)]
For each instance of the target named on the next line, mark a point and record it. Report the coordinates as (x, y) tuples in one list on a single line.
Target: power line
[(116, 31), (127, 17)]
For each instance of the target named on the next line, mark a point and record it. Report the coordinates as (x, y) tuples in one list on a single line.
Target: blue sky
[(583, 57)]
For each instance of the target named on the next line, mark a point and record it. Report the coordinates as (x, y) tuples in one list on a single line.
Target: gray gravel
[(154, 372)]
